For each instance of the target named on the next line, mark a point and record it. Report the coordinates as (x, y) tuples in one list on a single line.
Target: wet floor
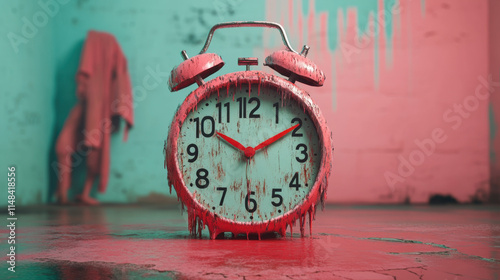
[(152, 242)]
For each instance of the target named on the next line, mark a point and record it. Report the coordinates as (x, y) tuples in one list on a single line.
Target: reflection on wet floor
[(152, 242), (49, 269)]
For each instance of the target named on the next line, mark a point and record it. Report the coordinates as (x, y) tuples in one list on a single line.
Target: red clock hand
[(231, 141), (274, 138)]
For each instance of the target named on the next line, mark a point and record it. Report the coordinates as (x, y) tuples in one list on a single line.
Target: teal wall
[(152, 36), (40, 89), (26, 99)]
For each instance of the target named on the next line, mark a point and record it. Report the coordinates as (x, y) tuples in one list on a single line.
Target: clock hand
[(248, 151), (231, 141), (274, 138)]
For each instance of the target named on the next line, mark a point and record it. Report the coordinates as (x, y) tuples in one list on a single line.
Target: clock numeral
[(219, 106), (277, 106), (224, 190), (294, 183), (204, 128), (252, 201), (202, 179), (278, 196), (243, 107), (294, 132), (257, 106), (194, 153), (303, 152)]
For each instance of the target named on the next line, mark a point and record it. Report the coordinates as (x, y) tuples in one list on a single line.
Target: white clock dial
[(222, 179)]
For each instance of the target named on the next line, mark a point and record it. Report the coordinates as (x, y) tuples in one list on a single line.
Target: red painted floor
[(152, 242)]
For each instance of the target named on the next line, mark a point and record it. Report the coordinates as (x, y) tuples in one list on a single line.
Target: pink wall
[(414, 83), (494, 69)]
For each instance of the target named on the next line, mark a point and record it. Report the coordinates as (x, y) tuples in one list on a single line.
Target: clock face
[(222, 179)]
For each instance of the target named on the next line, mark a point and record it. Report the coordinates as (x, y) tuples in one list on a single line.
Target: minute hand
[(274, 138)]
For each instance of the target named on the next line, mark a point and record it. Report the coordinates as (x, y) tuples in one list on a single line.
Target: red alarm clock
[(248, 152)]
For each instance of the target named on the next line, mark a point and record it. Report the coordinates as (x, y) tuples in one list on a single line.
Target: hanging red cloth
[(104, 95)]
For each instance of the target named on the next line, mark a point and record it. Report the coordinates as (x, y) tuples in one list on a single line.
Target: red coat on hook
[(104, 95)]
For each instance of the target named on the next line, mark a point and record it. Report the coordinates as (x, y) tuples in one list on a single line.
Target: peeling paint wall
[(394, 70)]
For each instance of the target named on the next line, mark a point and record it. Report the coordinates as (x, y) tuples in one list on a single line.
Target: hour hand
[(231, 141)]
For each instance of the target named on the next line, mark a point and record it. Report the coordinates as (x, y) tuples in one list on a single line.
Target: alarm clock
[(248, 152)]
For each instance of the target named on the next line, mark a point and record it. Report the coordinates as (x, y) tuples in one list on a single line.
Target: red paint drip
[(310, 220)]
